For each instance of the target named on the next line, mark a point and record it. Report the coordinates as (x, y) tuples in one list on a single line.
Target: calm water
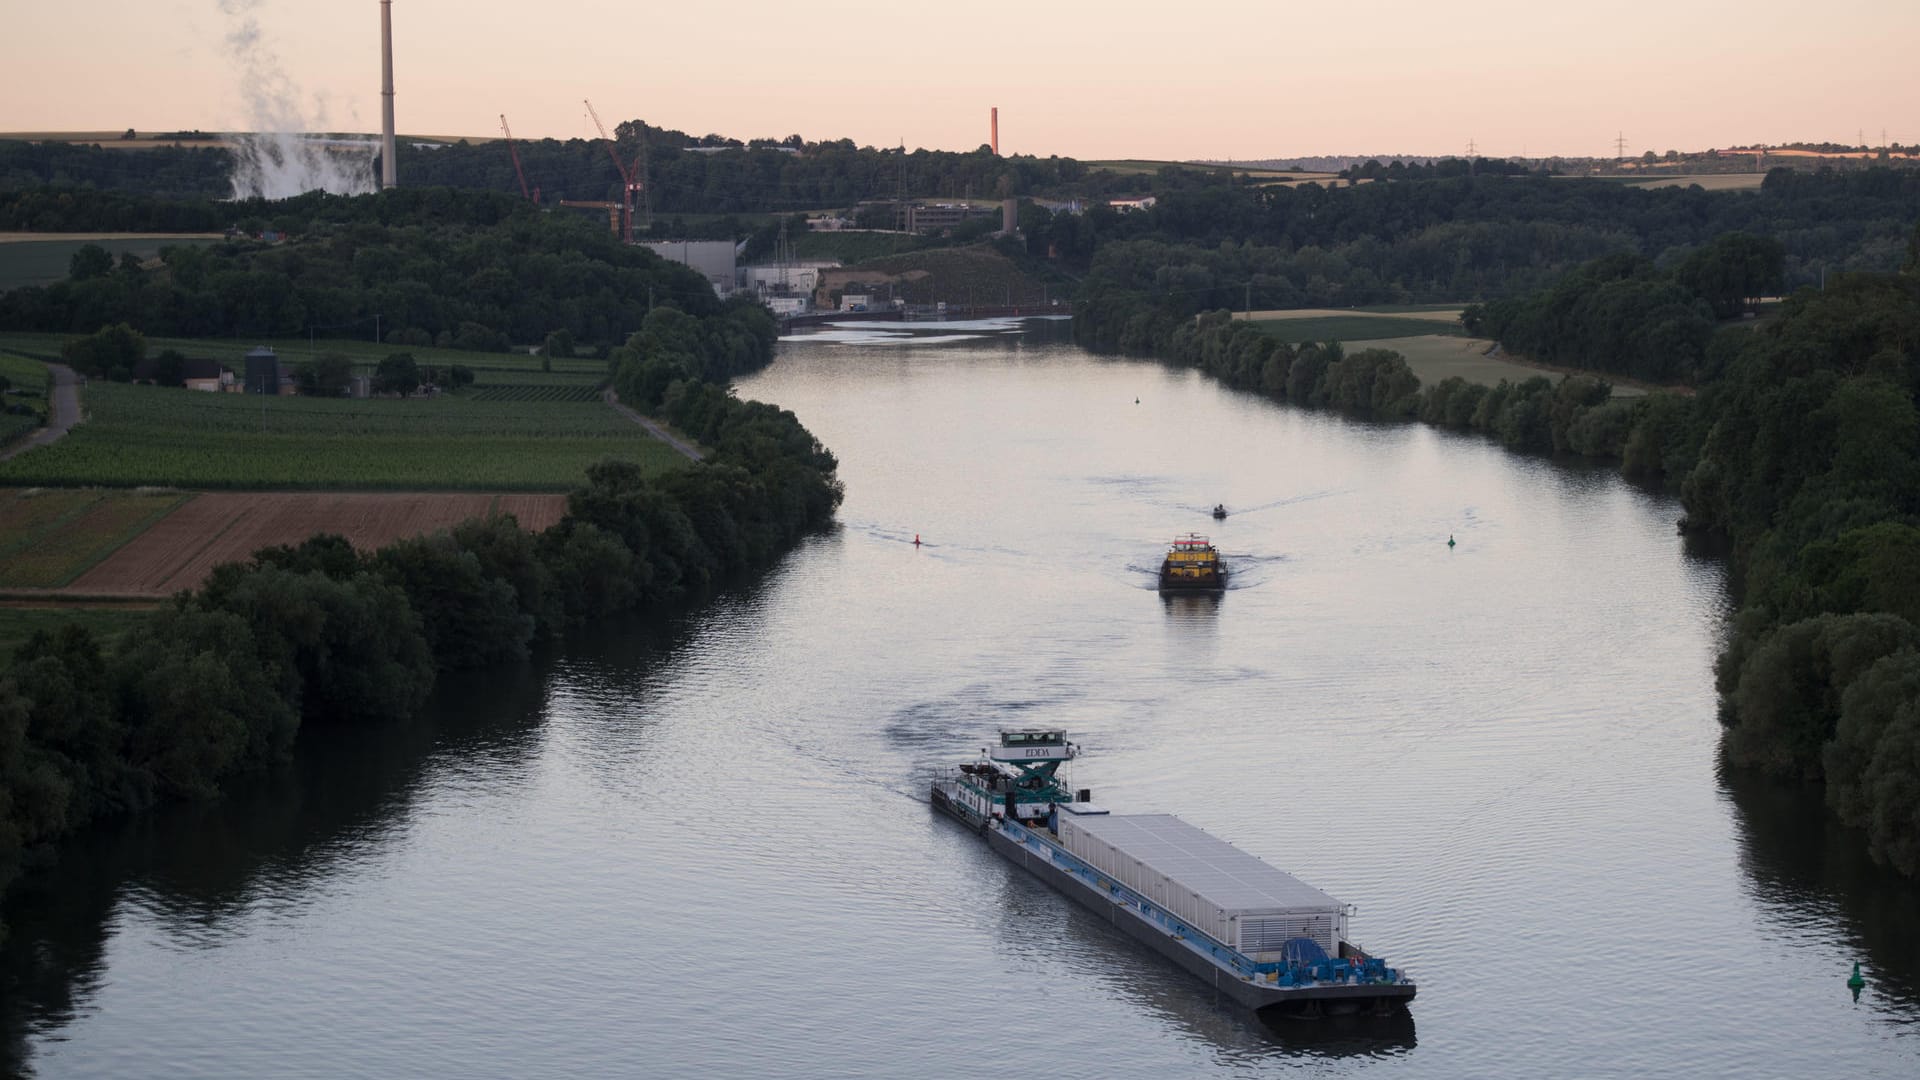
[(701, 847)]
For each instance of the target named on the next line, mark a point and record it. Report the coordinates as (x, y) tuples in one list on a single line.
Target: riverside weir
[(1256, 933)]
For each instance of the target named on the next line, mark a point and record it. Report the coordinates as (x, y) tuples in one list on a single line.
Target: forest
[(436, 266), (1451, 240), (684, 174)]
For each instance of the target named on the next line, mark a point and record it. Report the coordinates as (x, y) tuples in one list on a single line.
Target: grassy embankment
[(854, 246), (1428, 336)]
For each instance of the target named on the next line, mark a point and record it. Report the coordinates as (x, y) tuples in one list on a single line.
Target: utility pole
[(1620, 146), (1249, 301)]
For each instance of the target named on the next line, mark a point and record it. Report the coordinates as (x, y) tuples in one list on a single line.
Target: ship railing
[(1281, 972)]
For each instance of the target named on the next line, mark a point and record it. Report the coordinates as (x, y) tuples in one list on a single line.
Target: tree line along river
[(701, 845)]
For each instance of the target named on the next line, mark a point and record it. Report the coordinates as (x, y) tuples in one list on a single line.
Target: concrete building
[(713, 259), (939, 217), (801, 276)]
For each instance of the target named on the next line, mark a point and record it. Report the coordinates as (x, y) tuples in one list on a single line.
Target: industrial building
[(797, 277), (713, 259), (926, 218)]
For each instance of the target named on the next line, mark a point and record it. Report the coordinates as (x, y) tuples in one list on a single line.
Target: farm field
[(1351, 327), (152, 436), (50, 537), (1708, 181), (42, 258), (488, 368), (181, 549)]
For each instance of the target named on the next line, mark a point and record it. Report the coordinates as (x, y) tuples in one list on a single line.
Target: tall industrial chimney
[(386, 94), (995, 117)]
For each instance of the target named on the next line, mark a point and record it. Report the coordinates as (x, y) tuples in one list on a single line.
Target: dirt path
[(658, 432), (65, 397)]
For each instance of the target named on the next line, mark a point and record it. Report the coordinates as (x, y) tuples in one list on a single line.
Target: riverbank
[(215, 686)]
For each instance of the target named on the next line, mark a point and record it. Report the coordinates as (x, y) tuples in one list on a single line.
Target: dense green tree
[(327, 375), (91, 261), (74, 722), (199, 703), (397, 373), (1786, 702), (470, 619), (1733, 269), (349, 649), (115, 348)]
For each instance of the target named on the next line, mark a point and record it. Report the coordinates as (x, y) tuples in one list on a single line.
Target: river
[(699, 846)]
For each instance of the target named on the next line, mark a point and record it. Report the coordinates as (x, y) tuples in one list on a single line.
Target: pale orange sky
[(1226, 79)]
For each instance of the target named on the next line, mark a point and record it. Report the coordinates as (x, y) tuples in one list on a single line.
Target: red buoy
[(916, 539)]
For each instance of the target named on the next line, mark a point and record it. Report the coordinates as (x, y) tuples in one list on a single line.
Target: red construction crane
[(515, 154), (629, 175)]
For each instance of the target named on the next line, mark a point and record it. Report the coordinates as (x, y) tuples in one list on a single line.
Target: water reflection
[(1813, 878), (196, 870), (1192, 608)]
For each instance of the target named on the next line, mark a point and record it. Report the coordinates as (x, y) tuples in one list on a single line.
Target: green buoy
[(1449, 539), (1855, 983)]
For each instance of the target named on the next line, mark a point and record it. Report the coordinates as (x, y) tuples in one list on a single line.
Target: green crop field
[(1353, 328), (144, 435), (532, 392), (364, 354), (50, 537)]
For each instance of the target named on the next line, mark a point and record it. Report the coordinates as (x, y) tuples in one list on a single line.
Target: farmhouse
[(198, 373)]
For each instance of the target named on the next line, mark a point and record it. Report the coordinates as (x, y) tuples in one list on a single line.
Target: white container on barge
[(1227, 894)]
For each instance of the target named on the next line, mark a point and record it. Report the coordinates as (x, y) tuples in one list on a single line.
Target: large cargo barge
[(1256, 933)]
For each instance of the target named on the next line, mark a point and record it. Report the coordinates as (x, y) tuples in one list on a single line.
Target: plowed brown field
[(218, 527)]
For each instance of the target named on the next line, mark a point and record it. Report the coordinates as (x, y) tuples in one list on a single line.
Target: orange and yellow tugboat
[(1192, 563)]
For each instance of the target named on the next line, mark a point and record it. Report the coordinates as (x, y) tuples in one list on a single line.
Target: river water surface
[(700, 847)]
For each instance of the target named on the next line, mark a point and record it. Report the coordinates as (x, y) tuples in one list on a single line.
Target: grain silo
[(263, 371)]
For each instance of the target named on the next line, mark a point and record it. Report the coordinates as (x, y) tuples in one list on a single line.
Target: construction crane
[(515, 154), (517, 171), (629, 174)]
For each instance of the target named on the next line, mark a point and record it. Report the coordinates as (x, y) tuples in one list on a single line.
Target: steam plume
[(277, 159)]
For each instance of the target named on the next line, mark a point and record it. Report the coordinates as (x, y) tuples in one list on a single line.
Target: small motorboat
[(1219, 511)]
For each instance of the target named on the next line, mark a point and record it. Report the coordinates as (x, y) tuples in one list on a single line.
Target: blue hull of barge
[(1213, 963)]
